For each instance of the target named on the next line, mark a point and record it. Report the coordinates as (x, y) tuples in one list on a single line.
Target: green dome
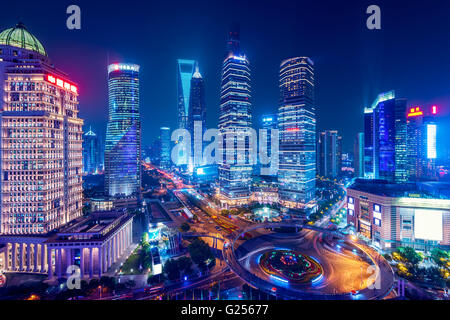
[(21, 38)]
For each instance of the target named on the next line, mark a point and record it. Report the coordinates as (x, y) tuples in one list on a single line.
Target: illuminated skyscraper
[(123, 134), (197, 118), (358, 151), (164, 137), (385, 139), (91, 152), (185, 71), (297, 126), (235, 120), (269, 123), (421, 142), (41, 139), (329, 149)]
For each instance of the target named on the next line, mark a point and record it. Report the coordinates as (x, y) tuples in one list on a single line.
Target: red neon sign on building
[(61, 83)]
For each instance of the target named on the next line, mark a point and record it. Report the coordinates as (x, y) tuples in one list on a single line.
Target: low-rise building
[(391, 215), (91, 243)]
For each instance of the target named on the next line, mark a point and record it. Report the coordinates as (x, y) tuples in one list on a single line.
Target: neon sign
[(434, 110), (62, 84), (414, 112), (431, 141), (293, 129)]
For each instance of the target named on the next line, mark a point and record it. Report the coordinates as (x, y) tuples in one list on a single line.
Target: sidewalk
[(112, 271)]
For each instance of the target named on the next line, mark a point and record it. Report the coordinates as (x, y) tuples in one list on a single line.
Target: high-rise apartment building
[(297, 128)]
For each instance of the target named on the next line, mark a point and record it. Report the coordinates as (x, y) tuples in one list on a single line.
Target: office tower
[(235, 122), (297, 126), (421, 143), (41, 139), (269, 123), (358, 152), (185, 70), (91, 152), (385, 138), (329, 149), (197, 118), (123, 133), (164, 137)]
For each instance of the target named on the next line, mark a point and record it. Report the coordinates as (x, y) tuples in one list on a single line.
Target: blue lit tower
[(123, 134), (164, 140), (235, 120), (91, 152), (269, 123), (385, 139), (358, 151), (197, 118), (185, 70), (297, 128)]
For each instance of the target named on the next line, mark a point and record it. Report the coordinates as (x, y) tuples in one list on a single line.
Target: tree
[(200, 252), (185, 265), (185, 227), (440, 257), (171, 269), (410, 255)]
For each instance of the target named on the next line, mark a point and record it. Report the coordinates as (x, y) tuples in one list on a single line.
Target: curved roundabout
[(309, 264), (291, 266)]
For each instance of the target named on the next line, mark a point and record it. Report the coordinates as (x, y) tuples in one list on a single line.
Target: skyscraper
[(41, 139), (197, 118), (329, 149), (164, 137), (235, 120), (123, 134), (185, 70), (269, 123), (91, 152), (385, 125), (297, 126), (421, 143), (358, 152)]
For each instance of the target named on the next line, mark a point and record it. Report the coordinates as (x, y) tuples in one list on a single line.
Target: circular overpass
[(314, 263)]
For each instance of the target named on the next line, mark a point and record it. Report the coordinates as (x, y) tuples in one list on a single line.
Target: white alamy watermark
[(241, 146)]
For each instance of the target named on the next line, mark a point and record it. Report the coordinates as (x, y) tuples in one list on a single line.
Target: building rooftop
[(431, 190), (20, 37)]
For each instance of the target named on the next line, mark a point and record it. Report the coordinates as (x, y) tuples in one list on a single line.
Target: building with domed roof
[(41, 141)]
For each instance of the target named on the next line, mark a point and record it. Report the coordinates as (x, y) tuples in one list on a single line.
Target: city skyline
[(356, 91), (335, 188)]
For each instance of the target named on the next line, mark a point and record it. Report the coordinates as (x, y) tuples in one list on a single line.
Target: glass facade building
[(185, 70), (197, 119), (164, 137), (385, 124), (358, 152), (329, 154), (92, 153), (123, 134), (235, 120), (297, 128), (421, 143)]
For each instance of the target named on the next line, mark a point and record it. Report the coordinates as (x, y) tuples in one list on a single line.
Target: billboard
[(428, 224)]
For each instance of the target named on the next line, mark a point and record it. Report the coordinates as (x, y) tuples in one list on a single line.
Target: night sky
[(411, 53)]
